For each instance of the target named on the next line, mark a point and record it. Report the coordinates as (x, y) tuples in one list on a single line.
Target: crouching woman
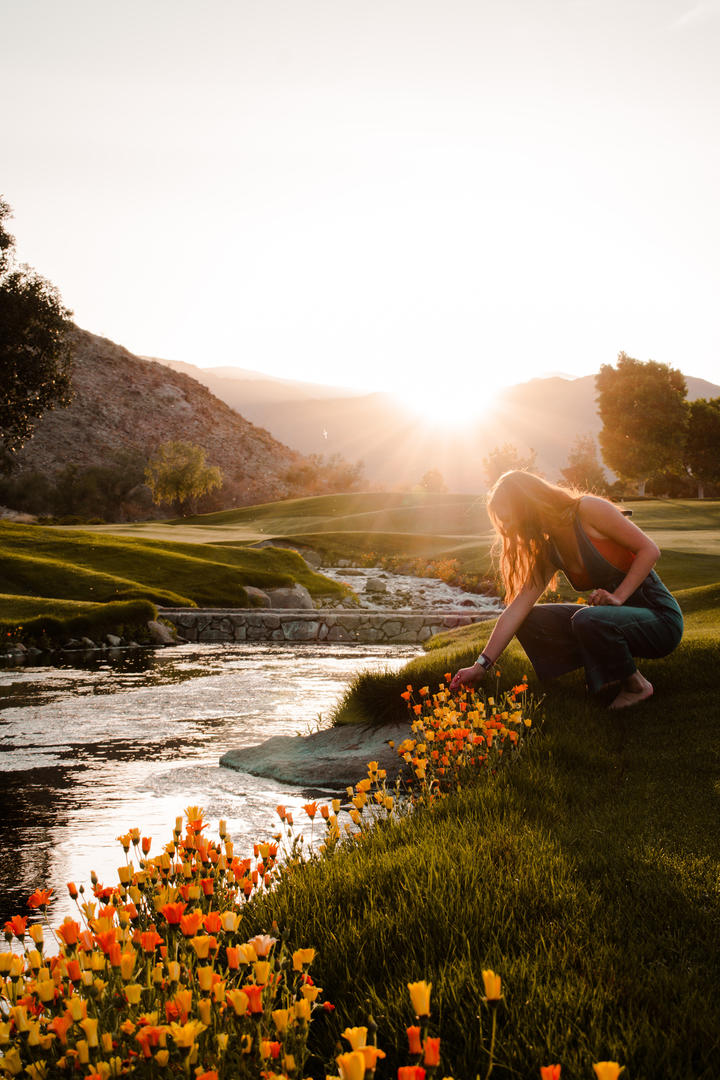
[(543, 528)]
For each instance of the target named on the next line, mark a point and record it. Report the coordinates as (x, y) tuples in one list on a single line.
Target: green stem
[(492, 1044)]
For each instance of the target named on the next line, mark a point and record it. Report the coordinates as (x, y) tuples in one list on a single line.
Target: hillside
[(123, 402), (396, 446)]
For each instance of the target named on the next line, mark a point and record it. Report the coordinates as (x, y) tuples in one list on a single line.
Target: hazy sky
[(380, 193)]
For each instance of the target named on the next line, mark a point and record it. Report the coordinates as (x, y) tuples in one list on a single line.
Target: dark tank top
[(612, 554), (600, 572)]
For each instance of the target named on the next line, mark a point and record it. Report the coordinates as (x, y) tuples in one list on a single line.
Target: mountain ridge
[(124, 402)]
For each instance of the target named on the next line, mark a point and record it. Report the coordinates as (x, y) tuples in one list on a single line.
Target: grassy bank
[(48, 623), (74, 565), (585, 874)]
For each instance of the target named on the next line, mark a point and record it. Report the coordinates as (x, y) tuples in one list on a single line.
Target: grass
[(77, 565), (433, 526), (49, 622), (585, 874), (375, 511)]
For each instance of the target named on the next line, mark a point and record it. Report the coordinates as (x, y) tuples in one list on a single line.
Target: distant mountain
[(397, 447), (124, 402), (238, 386)]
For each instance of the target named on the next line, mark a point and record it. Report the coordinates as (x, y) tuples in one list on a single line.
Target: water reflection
[(88, 752)]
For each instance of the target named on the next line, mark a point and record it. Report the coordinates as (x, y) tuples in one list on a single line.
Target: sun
[(459, 405)]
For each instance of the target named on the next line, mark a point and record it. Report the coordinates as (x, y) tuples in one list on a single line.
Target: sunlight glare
[(458, 405)]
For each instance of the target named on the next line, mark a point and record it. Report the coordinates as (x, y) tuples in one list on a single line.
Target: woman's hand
[(603, 598), (467, 676)]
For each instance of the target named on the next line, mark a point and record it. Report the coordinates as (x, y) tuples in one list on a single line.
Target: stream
[(87, 752)]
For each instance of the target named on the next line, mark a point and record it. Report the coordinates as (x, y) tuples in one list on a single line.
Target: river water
[(88, 752)]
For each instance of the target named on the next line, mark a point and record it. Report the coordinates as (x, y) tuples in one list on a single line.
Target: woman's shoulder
[(595, 512)]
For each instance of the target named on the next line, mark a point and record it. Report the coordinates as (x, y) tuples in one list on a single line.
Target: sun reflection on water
[(90, 752)]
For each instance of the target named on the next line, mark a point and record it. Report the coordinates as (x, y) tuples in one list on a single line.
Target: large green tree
[(34, 347), (702, 449), (177, 474), (645, 416)]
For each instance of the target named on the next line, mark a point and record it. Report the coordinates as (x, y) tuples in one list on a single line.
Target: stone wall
[(376, 627)]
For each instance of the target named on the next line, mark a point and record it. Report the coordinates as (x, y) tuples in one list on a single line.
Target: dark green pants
[(604, 640)]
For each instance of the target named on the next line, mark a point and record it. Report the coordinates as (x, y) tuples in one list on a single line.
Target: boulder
[(113, 640), (296, 598), (258, 597), (333, 758), (375, 585), (160, 634)]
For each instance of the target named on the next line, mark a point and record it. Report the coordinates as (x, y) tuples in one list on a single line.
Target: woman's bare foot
[(634, 689)]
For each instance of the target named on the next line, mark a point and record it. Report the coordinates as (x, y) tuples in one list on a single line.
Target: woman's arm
[(504, 631), (607, 521)]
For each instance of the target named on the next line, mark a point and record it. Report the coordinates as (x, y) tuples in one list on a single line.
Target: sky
[(437, 198)]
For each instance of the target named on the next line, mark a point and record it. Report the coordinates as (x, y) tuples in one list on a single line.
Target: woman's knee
[(587, 622)]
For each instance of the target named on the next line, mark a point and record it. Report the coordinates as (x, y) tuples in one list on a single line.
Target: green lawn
[(439, 526), (586, 874), (77, 565)]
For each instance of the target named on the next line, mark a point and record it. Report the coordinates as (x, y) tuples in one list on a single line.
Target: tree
[(177, 474), (702, 449), (503, 458), (644, 414), (433, 481), (318, 475), (583, 469), (34, 347)]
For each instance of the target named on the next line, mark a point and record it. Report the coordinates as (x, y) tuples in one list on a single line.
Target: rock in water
[(333, 758), (160, 634)]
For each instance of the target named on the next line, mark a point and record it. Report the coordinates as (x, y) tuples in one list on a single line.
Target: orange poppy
[(16, 925), (40, 898), (190, 923), (414, 1043)]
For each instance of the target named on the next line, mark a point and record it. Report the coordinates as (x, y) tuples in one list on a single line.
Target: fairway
[(208, 560), (181, 534)]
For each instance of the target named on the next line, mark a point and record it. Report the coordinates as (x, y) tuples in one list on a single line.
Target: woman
[(543, 528)]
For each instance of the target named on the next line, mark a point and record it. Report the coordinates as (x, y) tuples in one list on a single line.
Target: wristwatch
[(484, 662)]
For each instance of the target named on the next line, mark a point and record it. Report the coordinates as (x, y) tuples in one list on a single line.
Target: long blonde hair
[(532, 507)]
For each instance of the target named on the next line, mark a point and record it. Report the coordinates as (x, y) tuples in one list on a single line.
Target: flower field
[(158, 976)]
